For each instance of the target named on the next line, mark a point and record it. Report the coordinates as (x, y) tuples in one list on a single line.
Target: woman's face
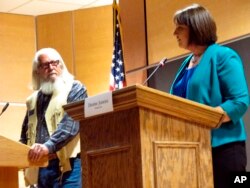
[(182, 34)]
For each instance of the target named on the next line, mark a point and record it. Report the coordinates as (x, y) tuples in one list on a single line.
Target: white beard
[(52, 87)]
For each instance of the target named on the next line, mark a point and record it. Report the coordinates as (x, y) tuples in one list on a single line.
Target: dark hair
[(200, 22)]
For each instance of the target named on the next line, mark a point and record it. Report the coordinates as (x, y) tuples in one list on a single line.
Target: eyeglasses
[(47, 64)]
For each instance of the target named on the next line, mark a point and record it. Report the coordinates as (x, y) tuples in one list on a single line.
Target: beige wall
[(84, 39), (231, 16), (134, 39), (17, 36), (87, 42), (93, 45), (55, 30)]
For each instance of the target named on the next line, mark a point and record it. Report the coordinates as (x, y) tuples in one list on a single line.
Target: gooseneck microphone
[(160, 64), (4, 108)]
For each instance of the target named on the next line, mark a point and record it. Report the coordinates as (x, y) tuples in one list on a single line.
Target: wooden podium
[(14, 156), (152, 140)]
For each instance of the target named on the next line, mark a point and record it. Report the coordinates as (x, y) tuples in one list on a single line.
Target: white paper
[(98, 104)]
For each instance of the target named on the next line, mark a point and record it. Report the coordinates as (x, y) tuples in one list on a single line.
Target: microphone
[(4, 108), (160, 64)]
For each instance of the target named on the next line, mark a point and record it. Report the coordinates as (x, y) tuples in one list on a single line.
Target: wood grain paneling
[(93, 36), (158, 143), (169, 160), (55, 30), (231, 17), (17, 36), (99, 162), (134, 33), (8, 177), (166, 103), (15, 155), (134, 39), (137, 77), (111, 150), (179, 150)]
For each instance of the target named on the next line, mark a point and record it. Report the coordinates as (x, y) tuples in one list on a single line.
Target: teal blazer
[(219, 80)]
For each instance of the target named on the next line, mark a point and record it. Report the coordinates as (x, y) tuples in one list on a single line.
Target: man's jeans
[(51, 176)]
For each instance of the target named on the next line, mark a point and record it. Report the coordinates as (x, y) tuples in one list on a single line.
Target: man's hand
[(37, 152)]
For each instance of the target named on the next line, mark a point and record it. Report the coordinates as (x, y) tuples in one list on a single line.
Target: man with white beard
[(47, 128)]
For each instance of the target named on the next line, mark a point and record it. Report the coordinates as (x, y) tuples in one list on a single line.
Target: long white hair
[(53, 55)]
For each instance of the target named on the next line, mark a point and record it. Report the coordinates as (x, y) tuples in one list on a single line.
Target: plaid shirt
[(66, 129)]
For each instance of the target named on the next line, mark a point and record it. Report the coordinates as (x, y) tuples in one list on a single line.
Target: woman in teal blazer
[(213, 75)]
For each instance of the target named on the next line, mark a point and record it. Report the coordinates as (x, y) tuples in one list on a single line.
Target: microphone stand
[(4, 108), (162, 62)]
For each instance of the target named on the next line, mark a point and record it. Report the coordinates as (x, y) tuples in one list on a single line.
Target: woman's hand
[(226, 117)]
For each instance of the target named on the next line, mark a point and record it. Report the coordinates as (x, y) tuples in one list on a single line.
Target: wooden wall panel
[(11, 121), (136, 77), (93, 36), (55, 30), (17, 36), (231, 17), (134, 38), (92, 41)]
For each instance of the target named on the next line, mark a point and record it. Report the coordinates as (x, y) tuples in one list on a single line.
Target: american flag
[(117, 75)]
